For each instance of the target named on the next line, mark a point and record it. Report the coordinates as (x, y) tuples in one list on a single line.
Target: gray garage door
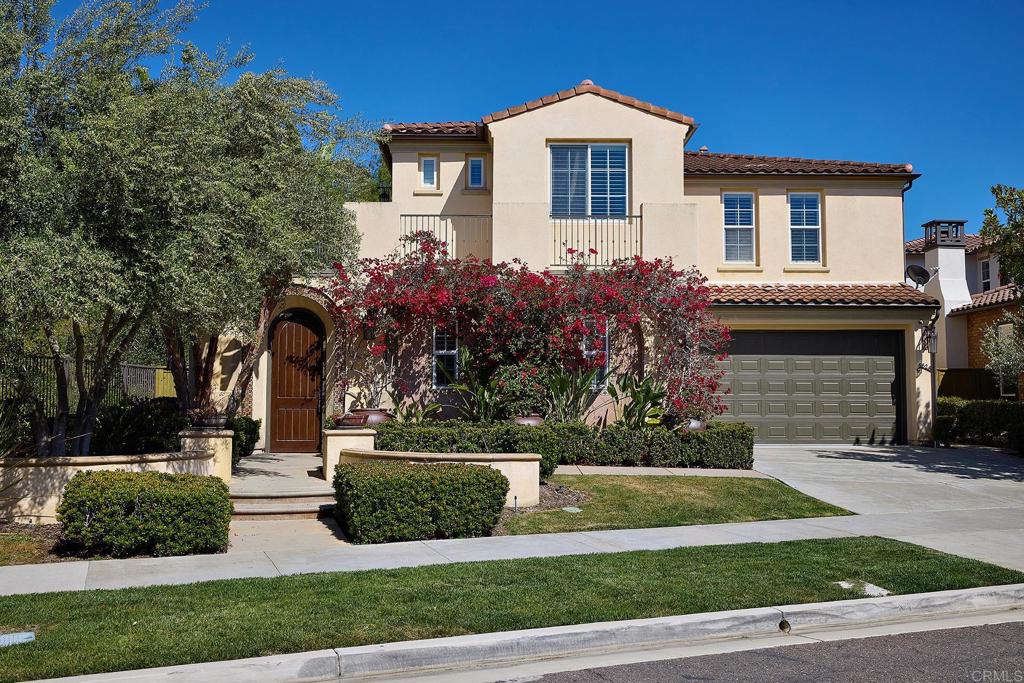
[(817, 386)]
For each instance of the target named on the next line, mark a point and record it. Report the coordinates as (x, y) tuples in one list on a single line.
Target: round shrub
[(247, 433), (384, 502), (122, 514)]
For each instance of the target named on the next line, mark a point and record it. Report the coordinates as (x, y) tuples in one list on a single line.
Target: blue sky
[(936, 84)]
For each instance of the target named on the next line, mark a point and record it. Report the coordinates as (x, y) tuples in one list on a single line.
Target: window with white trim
[(475, 175), (1007, 385), (445, 365), (805, 227), (597, 351), (738, 218), (986, 275), (589, 180), (428, 172)]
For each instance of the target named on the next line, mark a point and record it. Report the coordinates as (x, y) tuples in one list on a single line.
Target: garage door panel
[(809, 397)]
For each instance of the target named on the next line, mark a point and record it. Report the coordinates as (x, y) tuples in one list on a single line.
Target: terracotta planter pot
[(531, 420), (374, 416), (349, 421)]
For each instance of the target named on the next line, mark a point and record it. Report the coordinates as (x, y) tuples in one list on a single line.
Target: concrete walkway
[(966, 501)]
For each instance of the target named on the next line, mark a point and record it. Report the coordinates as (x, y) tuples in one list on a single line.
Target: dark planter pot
[(210, 423), (349, 421), (374, 416), (531, 420)]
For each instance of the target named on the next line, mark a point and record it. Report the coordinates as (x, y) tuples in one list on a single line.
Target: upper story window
[(475, 176), (429, 172), (445, 365), (589, 180), (986, 275), (738, 218), (805, 227)]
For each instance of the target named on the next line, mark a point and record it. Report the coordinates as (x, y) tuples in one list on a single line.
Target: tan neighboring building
[(806, 255)]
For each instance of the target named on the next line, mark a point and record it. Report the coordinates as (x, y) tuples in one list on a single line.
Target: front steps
[(282, 505)]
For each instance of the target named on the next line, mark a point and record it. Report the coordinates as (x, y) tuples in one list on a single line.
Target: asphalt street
[(983, 654)]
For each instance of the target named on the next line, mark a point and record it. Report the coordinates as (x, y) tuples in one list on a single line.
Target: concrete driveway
[(973, 497)]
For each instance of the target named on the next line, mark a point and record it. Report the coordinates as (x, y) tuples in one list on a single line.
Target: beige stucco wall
[(918, 382), (38, 483), (522, 179), (862, 229)]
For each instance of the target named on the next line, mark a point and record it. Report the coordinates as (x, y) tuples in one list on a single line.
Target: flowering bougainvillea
[(507, 314)]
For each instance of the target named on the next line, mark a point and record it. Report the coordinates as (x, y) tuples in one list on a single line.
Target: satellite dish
[(919, 274)]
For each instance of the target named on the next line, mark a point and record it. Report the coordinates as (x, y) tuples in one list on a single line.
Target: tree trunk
[(251, 354), (57, 432), (179, 368)]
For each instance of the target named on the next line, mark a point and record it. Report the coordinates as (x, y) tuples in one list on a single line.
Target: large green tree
[(187, 199), (1007, 236)]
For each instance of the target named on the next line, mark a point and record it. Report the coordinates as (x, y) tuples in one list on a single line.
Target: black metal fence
[(139, 381)]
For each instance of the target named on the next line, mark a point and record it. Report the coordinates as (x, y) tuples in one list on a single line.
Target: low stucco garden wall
[(521, 469), (356, 445), (41, 481)]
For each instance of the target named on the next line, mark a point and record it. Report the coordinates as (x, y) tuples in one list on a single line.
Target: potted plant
[(207, 418), (367, 378)]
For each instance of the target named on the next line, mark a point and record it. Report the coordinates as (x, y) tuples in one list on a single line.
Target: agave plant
[(641, 402), (570, 395)]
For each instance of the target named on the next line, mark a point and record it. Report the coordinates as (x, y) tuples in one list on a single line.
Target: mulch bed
[(552, 497), (46, 535)]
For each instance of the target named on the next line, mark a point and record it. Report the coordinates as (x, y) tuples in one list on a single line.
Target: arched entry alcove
[(295, 410)]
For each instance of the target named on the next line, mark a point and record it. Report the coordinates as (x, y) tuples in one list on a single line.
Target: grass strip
[(98, 631), (640, 502)]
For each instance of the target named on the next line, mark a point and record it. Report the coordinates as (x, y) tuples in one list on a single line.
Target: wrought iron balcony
[(597, 240), (464, 235)]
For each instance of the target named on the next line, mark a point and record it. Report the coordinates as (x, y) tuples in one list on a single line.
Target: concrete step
[(282, 510), (278, 498)]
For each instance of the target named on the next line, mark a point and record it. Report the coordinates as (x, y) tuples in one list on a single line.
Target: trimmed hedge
[(384, 502), (986, 422), (145, 513), (247, 433), (722, 445)]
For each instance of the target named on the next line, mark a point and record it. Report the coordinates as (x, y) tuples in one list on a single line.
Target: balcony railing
[(464, 235), (611, 237)]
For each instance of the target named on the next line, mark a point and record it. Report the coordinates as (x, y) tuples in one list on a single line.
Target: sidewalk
[(929, 528)]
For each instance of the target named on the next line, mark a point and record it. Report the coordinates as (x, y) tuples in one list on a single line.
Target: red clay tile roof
[(1000, 296), (974, 243), (786, 294), (459, 129), (714, 163), (585, 87)]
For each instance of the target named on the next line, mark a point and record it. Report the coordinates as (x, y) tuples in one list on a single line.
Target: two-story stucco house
[(806, 255)]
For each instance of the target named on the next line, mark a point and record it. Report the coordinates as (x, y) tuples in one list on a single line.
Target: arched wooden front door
[(296, 371)]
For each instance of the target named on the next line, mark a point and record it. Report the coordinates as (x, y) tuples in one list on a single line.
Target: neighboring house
[(806, 256), (974, 295)]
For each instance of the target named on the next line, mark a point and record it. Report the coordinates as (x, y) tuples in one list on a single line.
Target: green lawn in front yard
[(639, 502), (94, 631)]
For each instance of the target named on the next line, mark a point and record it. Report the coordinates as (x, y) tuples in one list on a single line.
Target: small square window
[(475, 175), (428, 172)]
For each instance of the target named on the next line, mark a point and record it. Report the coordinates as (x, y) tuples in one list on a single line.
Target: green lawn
[(638, 502), (97, 631)]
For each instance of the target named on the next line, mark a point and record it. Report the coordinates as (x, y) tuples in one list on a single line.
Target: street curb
[(422, 656)]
